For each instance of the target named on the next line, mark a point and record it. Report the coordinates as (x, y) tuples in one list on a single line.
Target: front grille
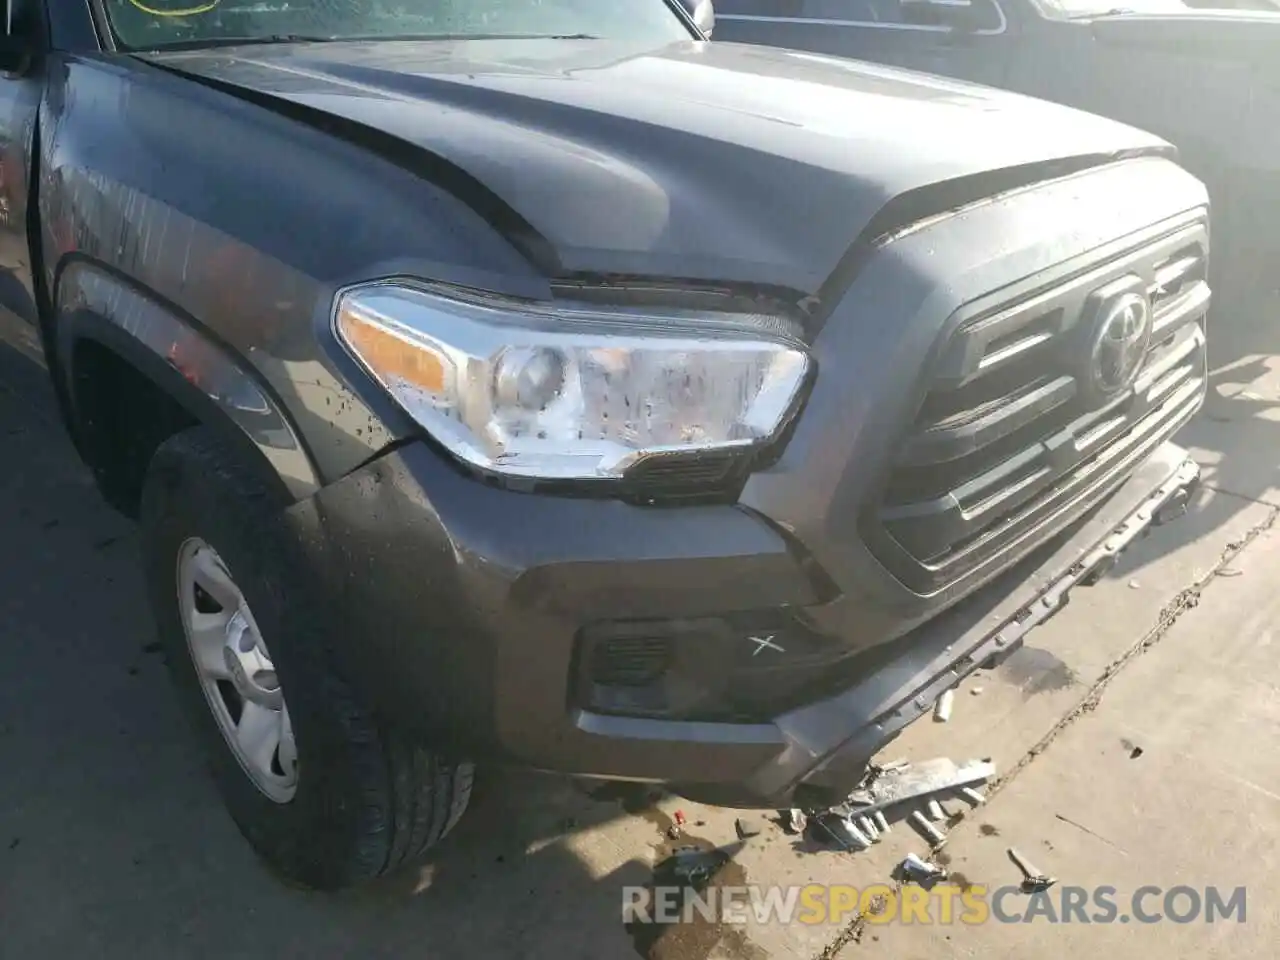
[(1014, 431)]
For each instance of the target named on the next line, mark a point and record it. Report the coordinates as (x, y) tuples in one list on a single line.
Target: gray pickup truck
[(537, 383)]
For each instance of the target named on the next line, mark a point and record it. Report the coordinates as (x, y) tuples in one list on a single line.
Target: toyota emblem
[(1120, 339)]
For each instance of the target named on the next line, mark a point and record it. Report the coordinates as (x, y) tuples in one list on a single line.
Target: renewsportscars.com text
[(972, 904)]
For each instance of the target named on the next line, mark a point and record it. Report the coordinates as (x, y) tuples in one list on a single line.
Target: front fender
[(186, 362)]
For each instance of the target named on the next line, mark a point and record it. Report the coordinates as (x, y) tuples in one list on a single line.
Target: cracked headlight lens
[(573, 392)]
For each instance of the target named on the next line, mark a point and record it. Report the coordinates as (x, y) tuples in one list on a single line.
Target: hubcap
[(236, 672)]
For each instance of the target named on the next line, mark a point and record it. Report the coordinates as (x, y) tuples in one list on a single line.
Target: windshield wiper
[(474, 36), (1094, 14), (210, 42)]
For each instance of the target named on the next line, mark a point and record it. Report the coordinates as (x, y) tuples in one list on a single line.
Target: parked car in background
[(1204, 75), (542, 384)]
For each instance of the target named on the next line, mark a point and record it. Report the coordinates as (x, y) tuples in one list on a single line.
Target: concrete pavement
[(113, 845)]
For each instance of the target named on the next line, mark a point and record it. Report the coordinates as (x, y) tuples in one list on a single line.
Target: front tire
[(327, 795)]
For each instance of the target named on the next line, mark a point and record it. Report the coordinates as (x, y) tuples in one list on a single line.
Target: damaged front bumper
[(459, 610), (827, 745)]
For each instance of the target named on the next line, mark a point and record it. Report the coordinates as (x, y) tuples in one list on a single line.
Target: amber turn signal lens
[(392, 356)]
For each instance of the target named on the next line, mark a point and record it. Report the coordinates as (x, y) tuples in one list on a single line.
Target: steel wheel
[(236, 672)]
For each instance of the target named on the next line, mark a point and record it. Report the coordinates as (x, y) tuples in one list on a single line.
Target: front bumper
[(828, 744), (455, 613)]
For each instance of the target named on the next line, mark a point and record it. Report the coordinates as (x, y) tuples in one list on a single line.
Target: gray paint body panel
[(708, 161)]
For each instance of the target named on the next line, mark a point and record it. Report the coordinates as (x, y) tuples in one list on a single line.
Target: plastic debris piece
[(690, 866), (916, 868), (793, 820), (919, 780), (1033, 878), (935, 836), (942, 710), (975, 691), (832, 826)]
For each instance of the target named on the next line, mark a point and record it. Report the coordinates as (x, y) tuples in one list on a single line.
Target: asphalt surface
[(113, 843)]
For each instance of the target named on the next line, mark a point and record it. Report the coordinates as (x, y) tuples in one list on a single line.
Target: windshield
[(147, 24)]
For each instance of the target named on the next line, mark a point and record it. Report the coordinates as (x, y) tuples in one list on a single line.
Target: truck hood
[(709, 161)]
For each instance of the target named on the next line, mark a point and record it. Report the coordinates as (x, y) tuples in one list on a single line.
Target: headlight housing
[(572, 392)]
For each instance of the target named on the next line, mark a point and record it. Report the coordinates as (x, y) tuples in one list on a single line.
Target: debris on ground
[(975, 691), (793, 820), (942, 709), (918, 780), (973, 796), (678, 821), (920, 870), (833, 826), (1134, 585), (689, 867), (861, 821), (893, 766), (1229, 572), (931, 833), (745, 829), (1033, 878)]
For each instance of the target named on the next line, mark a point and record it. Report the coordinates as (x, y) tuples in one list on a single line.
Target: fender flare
[(205, 377)]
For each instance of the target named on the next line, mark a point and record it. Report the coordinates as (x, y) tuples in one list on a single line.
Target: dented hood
[(712, 161)]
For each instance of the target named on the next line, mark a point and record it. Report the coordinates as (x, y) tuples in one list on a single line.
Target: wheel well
[(123, 416)]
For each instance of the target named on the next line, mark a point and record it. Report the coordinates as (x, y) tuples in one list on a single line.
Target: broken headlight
[(573, 392)]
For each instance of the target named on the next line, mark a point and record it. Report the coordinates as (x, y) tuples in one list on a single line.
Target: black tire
[(368, 801)]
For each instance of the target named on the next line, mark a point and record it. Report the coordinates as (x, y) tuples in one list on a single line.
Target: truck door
[(969, 39)]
